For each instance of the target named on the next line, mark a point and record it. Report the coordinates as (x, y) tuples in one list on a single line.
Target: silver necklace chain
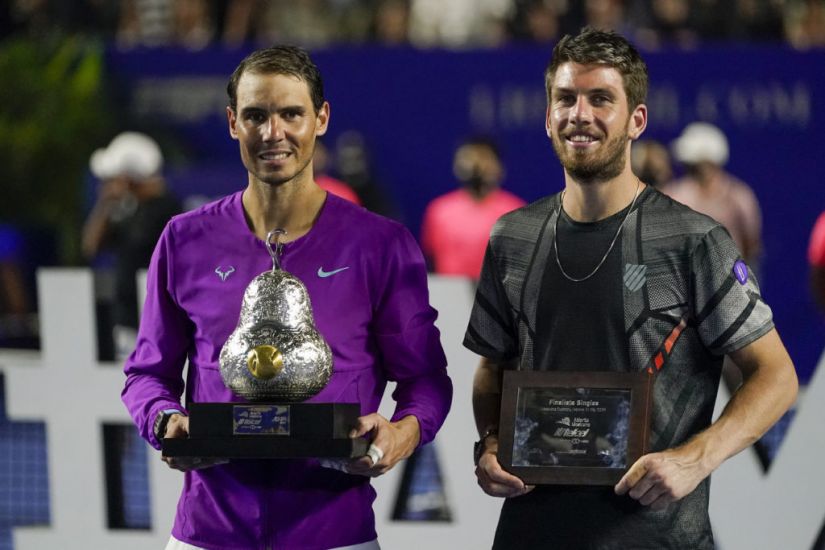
[(609, 248)]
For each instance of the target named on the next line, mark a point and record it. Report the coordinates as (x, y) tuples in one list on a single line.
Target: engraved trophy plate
[(275, 358), (260, 420), (579, 428)]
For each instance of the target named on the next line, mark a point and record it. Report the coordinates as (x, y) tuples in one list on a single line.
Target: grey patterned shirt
[(687, 298)]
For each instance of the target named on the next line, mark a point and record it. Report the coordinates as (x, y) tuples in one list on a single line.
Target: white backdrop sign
[(74, 394)]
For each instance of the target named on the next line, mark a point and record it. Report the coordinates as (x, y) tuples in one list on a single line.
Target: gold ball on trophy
[(264, 362)]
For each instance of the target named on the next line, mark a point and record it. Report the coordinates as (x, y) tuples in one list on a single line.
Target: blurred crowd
[(196, 24)]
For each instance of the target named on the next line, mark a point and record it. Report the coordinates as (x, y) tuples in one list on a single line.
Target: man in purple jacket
[(367, 283)]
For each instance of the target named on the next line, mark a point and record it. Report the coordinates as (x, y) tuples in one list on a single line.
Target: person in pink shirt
[(321, 161), (708, 188), (816, 259), (456, 225)]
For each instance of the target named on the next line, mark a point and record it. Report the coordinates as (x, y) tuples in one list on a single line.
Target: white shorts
[(175, 544)]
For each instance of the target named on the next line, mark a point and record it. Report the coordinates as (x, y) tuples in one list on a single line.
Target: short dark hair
[(289, 60), (482, 141), (595, 47)]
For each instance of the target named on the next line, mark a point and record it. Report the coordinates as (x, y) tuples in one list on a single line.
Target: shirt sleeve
[(816, 246), (492, 331), (407, 339), (154, 371), (728, 308)]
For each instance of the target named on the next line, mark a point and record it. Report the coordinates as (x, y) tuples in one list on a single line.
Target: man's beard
[(589, 168), (277, 180)]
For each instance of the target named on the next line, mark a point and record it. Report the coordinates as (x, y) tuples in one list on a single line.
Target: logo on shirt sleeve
[(740, 271)]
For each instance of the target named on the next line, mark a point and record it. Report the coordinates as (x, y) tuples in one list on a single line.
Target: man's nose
[(273, 130), (581, 112)]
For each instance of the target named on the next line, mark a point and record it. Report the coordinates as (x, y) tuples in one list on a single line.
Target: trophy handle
[(279, 246)]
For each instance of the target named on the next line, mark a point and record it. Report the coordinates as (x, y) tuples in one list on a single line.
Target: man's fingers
[(178, 426), (365, 425), (496, 481), (651, 496), (503, 477), (375, 453), (363, 466), (499, 489), (631, 477)]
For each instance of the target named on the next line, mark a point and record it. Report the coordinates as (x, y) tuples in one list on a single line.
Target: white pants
[(175, 544)]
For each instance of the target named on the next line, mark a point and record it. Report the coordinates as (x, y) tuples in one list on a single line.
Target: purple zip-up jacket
[(367, 283)]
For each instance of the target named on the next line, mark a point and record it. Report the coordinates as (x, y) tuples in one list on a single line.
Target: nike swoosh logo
[(324, 274)]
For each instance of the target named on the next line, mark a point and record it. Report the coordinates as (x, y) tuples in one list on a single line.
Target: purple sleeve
[(408, 340), (154, 371)]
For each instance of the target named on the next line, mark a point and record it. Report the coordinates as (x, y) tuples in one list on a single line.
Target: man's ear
[(322, 120), (547, 126), (638, 122), (231, 119)]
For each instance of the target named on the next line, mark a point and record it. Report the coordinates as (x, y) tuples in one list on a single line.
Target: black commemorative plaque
[(573, 428), (269, 430)]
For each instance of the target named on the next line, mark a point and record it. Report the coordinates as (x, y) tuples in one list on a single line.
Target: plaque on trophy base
[(269, 430), (573, 428)]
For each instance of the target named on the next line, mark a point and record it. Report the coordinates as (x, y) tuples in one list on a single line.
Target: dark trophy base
[(269, 430)]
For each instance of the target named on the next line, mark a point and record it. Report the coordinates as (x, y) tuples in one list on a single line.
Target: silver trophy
[(276, 353), (275, 358)]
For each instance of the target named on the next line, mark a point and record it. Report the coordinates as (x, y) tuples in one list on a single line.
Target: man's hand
[(492, 478), (395, 441), (659, 479), (769, 388), (178, 426)]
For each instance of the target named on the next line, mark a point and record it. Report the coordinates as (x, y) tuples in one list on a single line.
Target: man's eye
[(255, 117)]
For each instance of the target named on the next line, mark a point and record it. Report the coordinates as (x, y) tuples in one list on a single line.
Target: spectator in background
[(711, 19), (13, 298), (391, 22), (186, 23), (321, 163), (457, 225), (757, 21), (805, 23), (542, 21), (237, 27), (650, 160), (353, 166), (816, 260), (536, 21), (132, 208), (194, 26), (668, 24), (310, 23), (607, 15), (708, 188), (459, 23), (17, 322)]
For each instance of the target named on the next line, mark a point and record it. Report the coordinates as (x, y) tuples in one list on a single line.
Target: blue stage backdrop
[(412, 108)]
